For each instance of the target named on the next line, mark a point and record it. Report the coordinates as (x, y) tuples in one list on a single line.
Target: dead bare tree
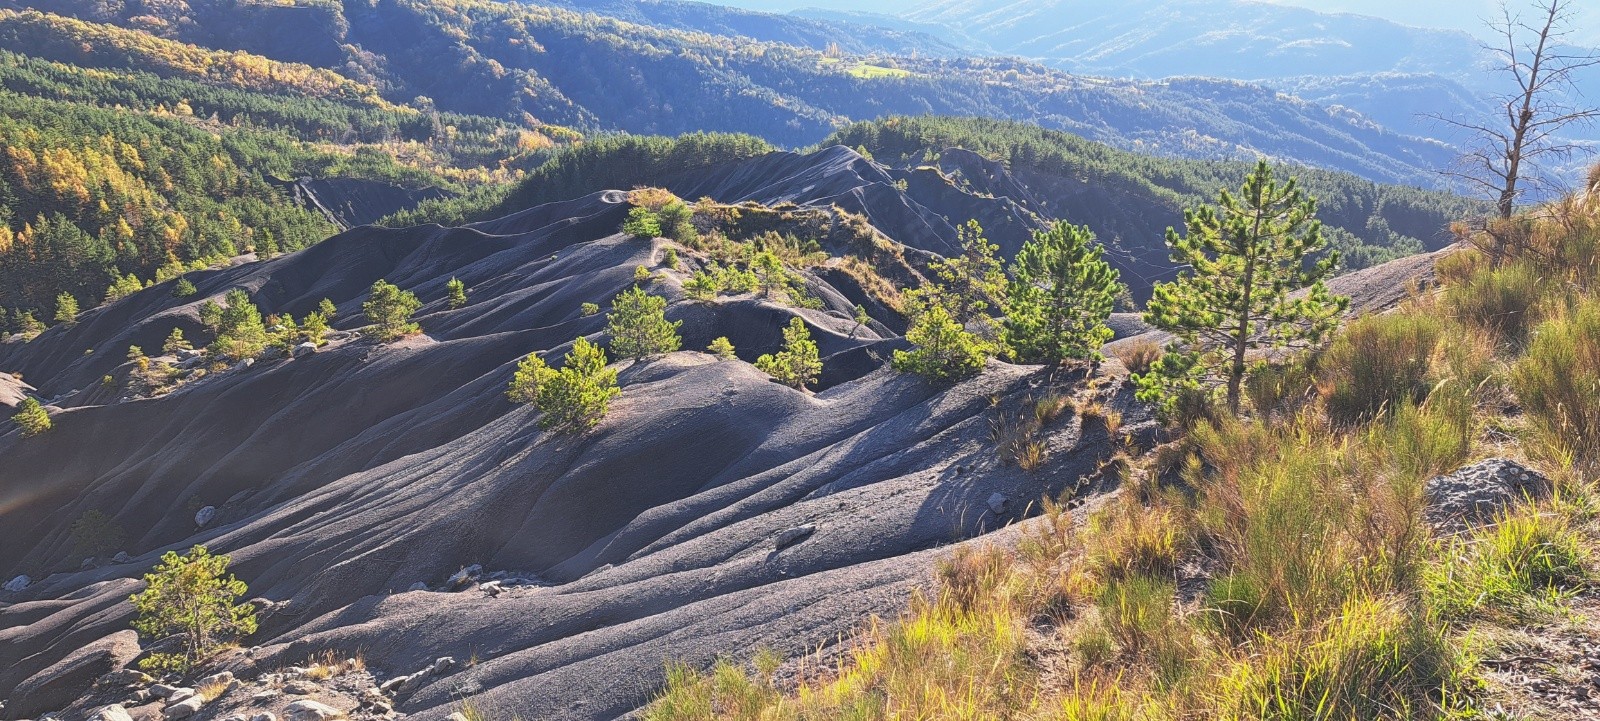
[(1505, 153)]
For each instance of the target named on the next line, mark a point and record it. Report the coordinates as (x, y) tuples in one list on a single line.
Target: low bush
[(1378, 363), (1558, 384)]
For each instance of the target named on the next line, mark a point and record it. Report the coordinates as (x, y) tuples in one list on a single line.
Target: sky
[(1465, 15)]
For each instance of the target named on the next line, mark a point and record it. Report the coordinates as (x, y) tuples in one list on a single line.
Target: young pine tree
[(390, 309), (31, 417), (183, 288), (28, 325), (531, 377), (175, 342), (1245, 257), (455, 293), (576, 397), (194, 597), (1060, 296), (240, 331), (722, 348), (639, 327), (944, 349), (970, 282), (798, 364), (328, 310), (66, 308), (315, 328), (642, 223)]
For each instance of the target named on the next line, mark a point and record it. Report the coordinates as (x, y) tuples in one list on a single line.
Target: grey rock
[(18, 583), (189, 354), (464, 577), (442, 665), (114, 712), (264, 696), (233, 717), (308, 710), (121, 557), (183, 709), (418, 586), (193, 361), (216, 678), (300, 688), (162, 690), (998, 503), (305, 349), (265, 716), (87, 563), (1473, 495), (204, 516), (791, 536), (244, 364), (180, 694), (456, 716), (125, 677)]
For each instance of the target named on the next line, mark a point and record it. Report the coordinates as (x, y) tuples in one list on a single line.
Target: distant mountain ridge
[(552, 65)]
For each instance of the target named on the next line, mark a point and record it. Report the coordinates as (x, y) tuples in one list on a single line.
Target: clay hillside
[(386, 501)]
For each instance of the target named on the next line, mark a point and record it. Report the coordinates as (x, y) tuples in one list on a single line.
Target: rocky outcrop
[(1476, 494)]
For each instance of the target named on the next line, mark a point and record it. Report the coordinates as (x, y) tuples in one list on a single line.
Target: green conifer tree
[(578, 396), (722, 348), (175, 342), (455, 293), (798, 364), (639, 327), (66, 308), (31, 417), (1060, 296), (944, 349), (1245, 257), (240, 331), (191, 596), (642, 223), (183, 288), (389, 309)]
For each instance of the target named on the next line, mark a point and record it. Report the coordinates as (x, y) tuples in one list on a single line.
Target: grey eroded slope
[(344, 477)]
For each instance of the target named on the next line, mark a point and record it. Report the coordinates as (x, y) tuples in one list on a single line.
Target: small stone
[(456, 716), (184, 708), (418, 586), (264, 696), (308, 710), (180, 694), (162, 690), (264, 716), (87, 563), (121, 557), (998, 503), (300, 688), (392, 685), (18, 583), (442, 664), (792, 536), (204, 516), (189, 353), (233, 717), (305, 349), (1474, 494)]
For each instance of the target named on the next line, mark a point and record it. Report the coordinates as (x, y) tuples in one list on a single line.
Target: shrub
[(183, 288), (639, 327), (189, 596), (390, 309), (702, 286), (669, 258), (1138, 356), (327, 309), (1558, 384), (642, 275), (798, 364), (95, 534), (722, 348), (1377, 363), (1503, 301), (455, 293), (31, 417)]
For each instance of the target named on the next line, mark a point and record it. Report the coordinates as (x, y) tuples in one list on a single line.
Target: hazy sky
[(1456, 14)]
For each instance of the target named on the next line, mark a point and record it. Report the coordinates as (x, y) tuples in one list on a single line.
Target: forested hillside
[(533, 63)]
